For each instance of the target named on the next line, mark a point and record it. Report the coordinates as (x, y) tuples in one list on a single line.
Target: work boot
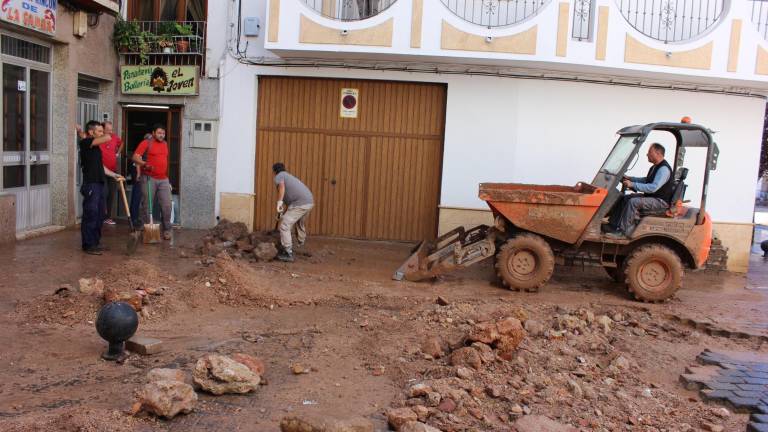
[(92, 251), (616, 235), (285, 256)]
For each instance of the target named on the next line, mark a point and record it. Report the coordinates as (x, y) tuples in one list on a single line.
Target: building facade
[(57, 67), (166, 76), (446, 94)]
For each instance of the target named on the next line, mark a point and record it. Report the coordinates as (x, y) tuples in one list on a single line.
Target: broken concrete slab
[(144, 345)]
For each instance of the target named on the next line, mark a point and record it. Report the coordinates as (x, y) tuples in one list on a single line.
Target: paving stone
[(743, 404), (762, 409), (144, 345), (747, 387), (732, 380), (718, 394), (757, 395), (761, 381), (759, 418), (757, 427), (757, 374), (714, 385)]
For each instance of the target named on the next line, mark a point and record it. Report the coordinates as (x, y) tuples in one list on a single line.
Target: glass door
[(26, 144)]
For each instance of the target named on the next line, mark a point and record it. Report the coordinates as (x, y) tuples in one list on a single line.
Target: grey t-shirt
[(296, 193)]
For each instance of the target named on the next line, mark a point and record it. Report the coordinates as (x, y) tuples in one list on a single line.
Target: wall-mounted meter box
[(204, 134), (251, 26)]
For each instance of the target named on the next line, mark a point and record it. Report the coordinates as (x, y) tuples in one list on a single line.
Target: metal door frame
[(27, 153)]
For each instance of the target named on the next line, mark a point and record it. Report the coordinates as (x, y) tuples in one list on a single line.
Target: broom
[(151, 230)]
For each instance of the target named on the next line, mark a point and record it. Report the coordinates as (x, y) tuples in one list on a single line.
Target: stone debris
[(163, 374), (91, 286), (317, 423), (397, 417), (165, 398), (416, 426), (536, 423), (219, 374), (255, 364)]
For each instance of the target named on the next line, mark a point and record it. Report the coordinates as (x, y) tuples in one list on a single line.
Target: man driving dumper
[(655, 193)]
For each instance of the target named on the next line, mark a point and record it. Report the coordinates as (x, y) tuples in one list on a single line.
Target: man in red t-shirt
[(109, 152), (154, 176)]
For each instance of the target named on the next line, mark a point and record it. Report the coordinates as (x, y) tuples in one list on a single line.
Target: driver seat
[(678, 194)]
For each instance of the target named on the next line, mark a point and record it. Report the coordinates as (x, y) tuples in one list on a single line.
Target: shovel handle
[(121, 186)]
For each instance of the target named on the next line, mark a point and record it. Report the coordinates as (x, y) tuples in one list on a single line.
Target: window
[(167, 10), (349, 10)]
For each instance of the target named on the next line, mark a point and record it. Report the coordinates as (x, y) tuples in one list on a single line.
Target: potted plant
[(183, 32), (166, 30), (124, 35), (143, 45)]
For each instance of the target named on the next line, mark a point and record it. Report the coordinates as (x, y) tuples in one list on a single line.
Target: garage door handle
[(333, 182)]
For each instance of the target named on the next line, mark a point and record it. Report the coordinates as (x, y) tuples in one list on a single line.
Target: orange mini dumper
[(533, 224)]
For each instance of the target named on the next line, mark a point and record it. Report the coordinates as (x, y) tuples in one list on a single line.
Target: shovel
[(151, 230), (133, 239)]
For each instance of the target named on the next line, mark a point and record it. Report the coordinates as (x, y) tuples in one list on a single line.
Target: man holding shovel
[(154, 177), (294, 201), (92, 188)]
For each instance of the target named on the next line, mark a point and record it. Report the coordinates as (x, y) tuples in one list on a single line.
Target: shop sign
[(38, 15), (159, 80), (349, 98)]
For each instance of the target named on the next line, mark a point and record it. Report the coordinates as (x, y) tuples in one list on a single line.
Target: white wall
[(529, 131)]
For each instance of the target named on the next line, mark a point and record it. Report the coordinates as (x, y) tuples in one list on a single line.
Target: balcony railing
[(160, 43), (760, 17), (349, 10), (495, 13), (672, 21)]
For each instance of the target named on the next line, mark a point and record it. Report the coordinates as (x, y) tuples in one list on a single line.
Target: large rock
[(166, 398), (218, 374), (314, 423), (415, 426), (254, 364), (133, 298), (265, 251), (91, 286), (397, 417), (466, 357), (504, 335), (161, 374), (433, 346), (233, 231), (537, 423)]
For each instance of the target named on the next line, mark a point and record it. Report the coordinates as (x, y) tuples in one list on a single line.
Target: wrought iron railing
[(495, 13), (672, 20), (583, 18), (174, 43), (760, 17), (349, 10)]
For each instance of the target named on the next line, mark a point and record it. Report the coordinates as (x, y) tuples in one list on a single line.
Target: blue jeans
[(93, 214), (137, 194)]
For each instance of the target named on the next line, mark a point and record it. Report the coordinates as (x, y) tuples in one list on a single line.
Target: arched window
[(349, 10), (495, 13), (672, 21)]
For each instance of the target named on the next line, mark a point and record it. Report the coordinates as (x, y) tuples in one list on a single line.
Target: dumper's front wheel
[(653, 273), (525, 262)]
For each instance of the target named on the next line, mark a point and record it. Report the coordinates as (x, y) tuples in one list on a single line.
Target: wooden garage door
[(373, 177)]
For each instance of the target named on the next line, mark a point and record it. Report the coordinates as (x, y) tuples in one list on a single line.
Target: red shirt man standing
[(109, 153), (154, 176)]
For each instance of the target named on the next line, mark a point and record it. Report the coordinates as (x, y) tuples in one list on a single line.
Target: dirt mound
[(234, 238), (231, 282), (74, 420)]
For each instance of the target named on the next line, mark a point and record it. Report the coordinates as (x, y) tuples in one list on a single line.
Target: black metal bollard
[(116, 323)]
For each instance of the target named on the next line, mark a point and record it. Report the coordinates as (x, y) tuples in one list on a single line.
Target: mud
[(358, 333)]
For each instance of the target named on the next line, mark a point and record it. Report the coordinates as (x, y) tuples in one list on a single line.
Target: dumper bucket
[(455, 249)]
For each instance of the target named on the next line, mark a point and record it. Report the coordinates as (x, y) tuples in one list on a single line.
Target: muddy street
[(340, 340)]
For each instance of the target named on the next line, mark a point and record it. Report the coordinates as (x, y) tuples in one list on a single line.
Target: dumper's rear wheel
[(525, 262), (653, 273)]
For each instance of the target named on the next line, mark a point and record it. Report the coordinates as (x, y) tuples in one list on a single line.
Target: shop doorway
[(139, 121)]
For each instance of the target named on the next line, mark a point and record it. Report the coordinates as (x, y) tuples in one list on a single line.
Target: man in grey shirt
[(656, 190), (294, 201)]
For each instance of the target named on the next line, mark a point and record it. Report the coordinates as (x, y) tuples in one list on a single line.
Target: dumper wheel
[(653, 273), (525, 262)]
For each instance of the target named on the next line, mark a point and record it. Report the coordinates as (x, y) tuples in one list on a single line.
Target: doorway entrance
[(139, 121), (26, 138)]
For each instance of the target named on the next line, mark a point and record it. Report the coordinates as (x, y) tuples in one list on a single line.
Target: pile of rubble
[(234, 238), (565, 370), (169, 392)]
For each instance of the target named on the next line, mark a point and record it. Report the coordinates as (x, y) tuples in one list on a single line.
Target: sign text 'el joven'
[(38, 15), (159, 80)]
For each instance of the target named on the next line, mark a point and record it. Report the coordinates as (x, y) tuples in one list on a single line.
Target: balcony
[(168, 43), (97, 6), (717, 43)]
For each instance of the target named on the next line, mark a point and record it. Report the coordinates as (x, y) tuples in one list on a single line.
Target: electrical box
[(251, 26), (204, 134)]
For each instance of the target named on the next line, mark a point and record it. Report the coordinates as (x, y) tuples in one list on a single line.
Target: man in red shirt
[(154, 172), (109, 152)]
